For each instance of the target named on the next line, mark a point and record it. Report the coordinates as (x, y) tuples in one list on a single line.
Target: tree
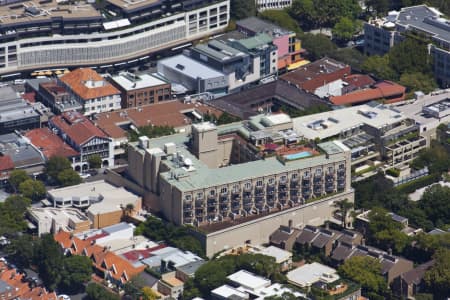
[(226, 118), (68, 177), (345, 29), (96, 292), (418, 82), (241, 9), (50, 259), (436, 158), (349, 56), (410, 56), (21, 249), (282, 19), (76, 271), (379, 67), (437, 278), (55, 165), (149, 294), (380, 6), (17, 177), (151, 132), (366, 271), (317, 45), (33, 189), (436, 205), (344, 206), (12, 213), (95, 161)]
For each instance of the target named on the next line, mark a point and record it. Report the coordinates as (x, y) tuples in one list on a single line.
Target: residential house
[(284, 237), (317, 239), (92, 91), (83, 136), (408, 284)]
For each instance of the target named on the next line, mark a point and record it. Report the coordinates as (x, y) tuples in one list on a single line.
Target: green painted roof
[(256, 41)]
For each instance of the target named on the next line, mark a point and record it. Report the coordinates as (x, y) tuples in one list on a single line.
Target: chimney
[(363, 241), (290, 225)]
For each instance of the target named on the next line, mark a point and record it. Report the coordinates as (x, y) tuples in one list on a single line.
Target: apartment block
[(226, 186), (418, 21), (263, 5)]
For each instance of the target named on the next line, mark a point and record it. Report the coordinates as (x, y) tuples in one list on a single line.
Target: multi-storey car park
[(238, 183), (51, 33)]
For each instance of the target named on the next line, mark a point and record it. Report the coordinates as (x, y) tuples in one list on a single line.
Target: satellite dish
[(188, 162)]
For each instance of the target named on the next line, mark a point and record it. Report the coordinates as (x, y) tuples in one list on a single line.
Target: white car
[(63, 297), (85, 175)]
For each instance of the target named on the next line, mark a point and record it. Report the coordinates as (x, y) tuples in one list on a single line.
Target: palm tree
[(344, 206), (129, 208)]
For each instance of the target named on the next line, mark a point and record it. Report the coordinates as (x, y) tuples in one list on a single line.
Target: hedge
[(421, 182)]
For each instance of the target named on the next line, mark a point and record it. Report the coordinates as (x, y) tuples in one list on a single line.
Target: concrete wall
[(258, 231)]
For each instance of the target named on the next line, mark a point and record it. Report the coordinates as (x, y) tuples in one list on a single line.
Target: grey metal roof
[(117, 227), (425, 19), (190, 67), (192, 267), (22, 153), (259, 25)]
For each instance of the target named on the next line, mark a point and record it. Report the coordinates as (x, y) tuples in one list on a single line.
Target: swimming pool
[(297, 155)]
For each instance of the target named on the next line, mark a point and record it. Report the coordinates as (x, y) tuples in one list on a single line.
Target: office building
[(51, 220), (84, 137), (57, 97), (16, 113), (138, 90), (91, 90), (289, 47), (104, 203), (41, 35), (217, 180), (418, 21)]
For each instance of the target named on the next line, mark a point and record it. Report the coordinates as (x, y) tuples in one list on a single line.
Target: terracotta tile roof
[(30, 97), (6, 163), (118, 267), (359, 80), (385, 89), (136, 255), (159, 114), (77, 127), (49, 143), (78, 78)]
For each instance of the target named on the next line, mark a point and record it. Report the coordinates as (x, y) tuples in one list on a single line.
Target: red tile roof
[(30, 97), (49, 143), (79, 79), (77, 127), (6, 163), (359, 80), (388, 90), (135, 255), (159, 114)]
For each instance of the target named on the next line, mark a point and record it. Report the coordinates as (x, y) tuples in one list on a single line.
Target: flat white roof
[(275, 119), (308, 274), (129, 81), (331, 123), (227, 292), (249, 280), (190, 67), (280, 255)]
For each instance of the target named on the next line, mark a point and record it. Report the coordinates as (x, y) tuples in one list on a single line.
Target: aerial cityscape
[(224, 149)]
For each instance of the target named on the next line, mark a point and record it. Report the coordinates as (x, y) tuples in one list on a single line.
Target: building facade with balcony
[(51, 34), (84, 137), (233, 200)]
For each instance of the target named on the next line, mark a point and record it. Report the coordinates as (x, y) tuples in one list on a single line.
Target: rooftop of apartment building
[(130, 5), (20, 151), (13, 107), (255, 42), (60, 215), (254, 100), (332, 123), (49, 143), (317, 74), (258, 25), (218, 50), (388, 91), (77, 127), (131, 82), (168, 113), (88, 84), (425, 19), (197, 175), (34, 10)]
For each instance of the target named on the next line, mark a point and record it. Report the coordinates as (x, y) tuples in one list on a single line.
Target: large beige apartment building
[(238, 183)]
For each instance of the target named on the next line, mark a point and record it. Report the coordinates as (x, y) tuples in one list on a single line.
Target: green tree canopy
[(50, 259), (96, 292), (16, 177), (379, 66), (418, 82), (317, 45), (410, 56), (437, 278), (345, 29), (435, 203), (33, 189), (68, 177), (151, 132), (282, 18), (55, 165), (436, 158), (76, 271), (95, 161), (12, 213), (241, 9), (366, 271)]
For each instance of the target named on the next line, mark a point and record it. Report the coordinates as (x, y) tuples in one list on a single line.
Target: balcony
[(187, 207), (199, 212), (212, 203), (211, 197), (187, 220), (199, 203), (247, 188), (223, 199)]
